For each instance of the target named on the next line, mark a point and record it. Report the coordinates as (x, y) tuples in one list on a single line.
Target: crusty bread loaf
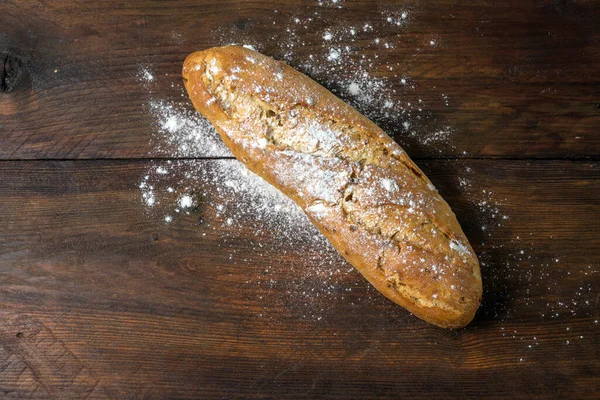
[(356, 185)]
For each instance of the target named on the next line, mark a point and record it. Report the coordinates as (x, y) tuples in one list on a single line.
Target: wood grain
[(101, 298), (520, 78), (97, 290)]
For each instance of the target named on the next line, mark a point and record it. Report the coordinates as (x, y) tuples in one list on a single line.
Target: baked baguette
[(358, 187)]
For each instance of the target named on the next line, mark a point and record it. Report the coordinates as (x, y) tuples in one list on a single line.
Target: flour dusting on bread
[(325, 152)]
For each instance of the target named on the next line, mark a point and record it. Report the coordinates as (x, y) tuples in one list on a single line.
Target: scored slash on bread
[(357, 186)]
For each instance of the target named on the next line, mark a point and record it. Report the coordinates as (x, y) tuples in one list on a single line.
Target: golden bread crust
[(357, 185)]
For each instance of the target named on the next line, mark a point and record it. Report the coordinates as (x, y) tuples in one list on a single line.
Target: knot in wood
[(11, 71)]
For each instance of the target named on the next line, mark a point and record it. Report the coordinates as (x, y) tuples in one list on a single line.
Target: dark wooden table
[(100, 297)]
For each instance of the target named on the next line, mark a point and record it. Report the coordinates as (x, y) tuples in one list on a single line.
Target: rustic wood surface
[(522, 77), (100, 298)]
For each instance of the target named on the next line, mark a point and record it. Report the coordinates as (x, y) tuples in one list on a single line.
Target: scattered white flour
[(147, 192), (226, 198), (439, 137), (354, 89), (182, 132), (185, 201), (330, 3), (145, 75), (341, 59), (397, 18), (234, 198), (243, 198), (511, 287), (174, 190), (334, 54)]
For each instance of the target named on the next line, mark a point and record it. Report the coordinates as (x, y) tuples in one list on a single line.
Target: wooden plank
[(483, 79), (101, 297)]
